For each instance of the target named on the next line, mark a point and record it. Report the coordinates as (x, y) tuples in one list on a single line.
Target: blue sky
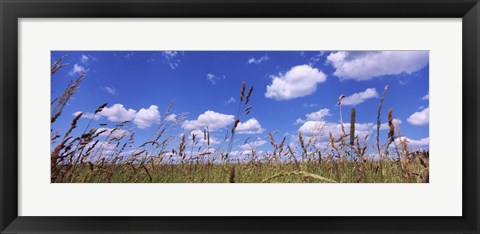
[(293, 90)]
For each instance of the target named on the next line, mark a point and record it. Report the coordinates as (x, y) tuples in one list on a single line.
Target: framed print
[(254, 116)]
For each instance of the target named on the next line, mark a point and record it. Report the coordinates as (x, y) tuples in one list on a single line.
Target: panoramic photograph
[(239, 117)]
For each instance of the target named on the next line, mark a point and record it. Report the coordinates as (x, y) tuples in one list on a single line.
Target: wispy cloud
[(170, 58), (111, 90), (212, 78), (84, 58), (259, 60), (77, 69), (309, 104), (87, 59), (230, 100), (129, 55), (426, 97), (317, 57)]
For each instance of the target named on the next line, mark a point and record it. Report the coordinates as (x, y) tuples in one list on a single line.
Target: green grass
[(307, 172)]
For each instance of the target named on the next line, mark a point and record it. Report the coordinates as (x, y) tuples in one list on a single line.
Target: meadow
[(103, 155)]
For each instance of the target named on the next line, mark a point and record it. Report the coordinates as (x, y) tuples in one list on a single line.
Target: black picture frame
[(12, 10)]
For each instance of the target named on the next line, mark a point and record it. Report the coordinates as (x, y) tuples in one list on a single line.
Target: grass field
[(308, 172)]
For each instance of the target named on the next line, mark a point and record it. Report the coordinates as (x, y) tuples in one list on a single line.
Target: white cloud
[(77, 69), (316, 58), (314, 116), (107, 149), (426, 97), (309, 105), (322, 128), (144, 118), (252, 60), (414, 143), (87, 59), (129, 55), (147, 117), (396, 123), (244, 153), (366, 65), (213, 141), (358, 98), (361, 129), (210, 119), (420, 118), (299, 121), (251, 126), (199, 137), (112, 132), (311, 127), (118, 113), (230, 100), (299, 81), (213, 78), (322, 145), (319, 115), (172, 117), (171, 58), (87, 115), (170, 54), (253, 145), (84, 58), (111, 90)]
